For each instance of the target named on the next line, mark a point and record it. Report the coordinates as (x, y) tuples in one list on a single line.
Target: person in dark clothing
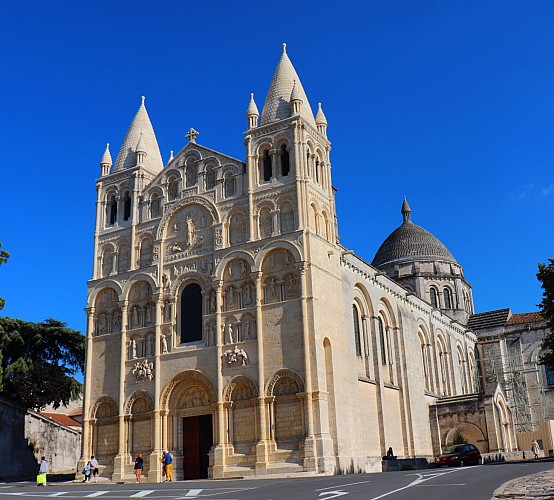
[(139, 465)]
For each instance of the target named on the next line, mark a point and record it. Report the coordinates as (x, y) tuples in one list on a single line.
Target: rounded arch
[(386, 310), (285, 372), (104, 407), (192, 153), (229, 168), (278, 245), (136, 278), (237, 381), (470, 431), (95, 293), (236, 254), (188, 375), (185, 279), (140, 394), (172, 172), (192, 200)]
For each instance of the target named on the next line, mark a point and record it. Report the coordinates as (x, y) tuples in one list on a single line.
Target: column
[(262, 445), (121, 459), (86, 443), (378, 365), (155, 471)]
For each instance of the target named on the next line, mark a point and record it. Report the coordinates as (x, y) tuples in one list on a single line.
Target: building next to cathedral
[(228, 325)]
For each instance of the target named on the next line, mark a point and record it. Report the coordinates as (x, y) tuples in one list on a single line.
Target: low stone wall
[(405, 464)]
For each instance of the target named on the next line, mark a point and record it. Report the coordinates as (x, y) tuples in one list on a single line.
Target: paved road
[(468, 483)]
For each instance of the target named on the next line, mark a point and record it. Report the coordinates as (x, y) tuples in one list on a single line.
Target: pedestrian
[(87, 471), (390, 453), (94, 466), (42, 472), (168, 462), (139, 465), (535, 448)]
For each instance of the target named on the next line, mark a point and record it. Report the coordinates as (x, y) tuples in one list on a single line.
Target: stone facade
[(227, 324)]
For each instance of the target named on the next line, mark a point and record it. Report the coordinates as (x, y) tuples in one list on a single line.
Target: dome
[(410, 242)]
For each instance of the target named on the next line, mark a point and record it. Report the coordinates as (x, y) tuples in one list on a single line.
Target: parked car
[(460, 455)]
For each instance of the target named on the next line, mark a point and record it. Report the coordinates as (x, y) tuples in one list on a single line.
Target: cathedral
[(228, 325)]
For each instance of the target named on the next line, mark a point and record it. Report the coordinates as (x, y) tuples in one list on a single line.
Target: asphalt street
[(465, 483)]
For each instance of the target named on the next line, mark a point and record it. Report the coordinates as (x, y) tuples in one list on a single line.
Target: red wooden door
[(191, 447)]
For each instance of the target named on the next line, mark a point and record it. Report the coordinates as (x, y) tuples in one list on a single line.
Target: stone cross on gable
[(192, 135)]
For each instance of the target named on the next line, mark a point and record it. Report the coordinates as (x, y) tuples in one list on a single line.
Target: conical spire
[(277, 104), (406, 211), (321, 120), (126, 158), (141, 148), (106, 162), (252, 113)]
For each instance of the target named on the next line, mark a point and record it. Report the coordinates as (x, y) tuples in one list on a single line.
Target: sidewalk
[(534, 487)]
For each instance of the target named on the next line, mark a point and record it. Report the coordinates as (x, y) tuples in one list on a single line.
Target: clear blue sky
[(448, 103)]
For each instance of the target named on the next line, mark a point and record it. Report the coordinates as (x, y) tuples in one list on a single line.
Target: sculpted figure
[(190, 232), (116, 321), (212, 301), (133, 349), (135, 318), (164, 344), (247, 330), (247, 297), (272, 282), (149, 313), (230, 332), (243, 269)]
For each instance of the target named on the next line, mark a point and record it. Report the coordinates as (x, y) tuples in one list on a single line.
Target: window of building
[(549, 372), (191, 313), (155, 205), (172, 188), (111, 210), (357, 338), (447, 298), (126, 206), (210, 177), (383, 342), (434, 298), (229, 185), (285, 161), (267, 166), (191, 172)]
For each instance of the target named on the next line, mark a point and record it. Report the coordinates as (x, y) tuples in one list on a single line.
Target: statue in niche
[(176, 227), (247, 294), (190, 231), (243, 269), (167, 310), (164, 344), (116, 321), (272, 282), (218, 238), (230, 333), (212, 301), (135, 316), (165, 281), (231, 294), (150, 346), (246, 330), (285, 387), (291, 285), (133, 345), (102, 324), (203, 221), (287, 259), (149, 314)]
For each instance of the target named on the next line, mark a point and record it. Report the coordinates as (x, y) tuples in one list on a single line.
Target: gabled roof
[(489, 319), (522, 318), (126, 158), (277, 103), (62, 419)]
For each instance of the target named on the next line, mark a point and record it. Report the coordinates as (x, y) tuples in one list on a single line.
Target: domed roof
[(410, 242)]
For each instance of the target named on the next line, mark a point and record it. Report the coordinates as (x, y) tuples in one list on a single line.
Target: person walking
[(42, 472), (535, 448), (139, 466), (94, 466), (86, 472), (168, 463)]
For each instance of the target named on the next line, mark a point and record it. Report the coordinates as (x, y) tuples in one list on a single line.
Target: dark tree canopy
[(39, 361), (4, 255), (546, 277)]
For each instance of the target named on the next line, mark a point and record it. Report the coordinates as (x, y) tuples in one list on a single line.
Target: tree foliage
[(39, 361), (546, 277), (4, 255)]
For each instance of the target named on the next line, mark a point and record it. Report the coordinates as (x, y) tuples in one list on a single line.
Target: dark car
[(463, 454)]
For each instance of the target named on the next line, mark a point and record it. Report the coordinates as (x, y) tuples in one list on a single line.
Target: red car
[(460, 455)]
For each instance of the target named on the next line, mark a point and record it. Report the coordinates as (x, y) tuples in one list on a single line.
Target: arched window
[(126, 206), (382, 342), (229, 185), (172, 188), (357, 338), (447, 298), (155, 205), (267, 166), (425, 360), (146, 253), (549, 375), (285, 161), (191, 313), (317, 171), (434, 298), (111, 210), (210, 177), (191, 173)]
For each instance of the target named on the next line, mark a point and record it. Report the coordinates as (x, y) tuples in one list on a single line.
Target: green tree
[(4, 255), (546, 277), (39, 362)]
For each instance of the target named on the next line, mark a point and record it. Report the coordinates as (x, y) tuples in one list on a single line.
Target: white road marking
[(334, 494), (96, 494), (420, 479), (193, 493), (341, 485), (58, 494), (142, 493)]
